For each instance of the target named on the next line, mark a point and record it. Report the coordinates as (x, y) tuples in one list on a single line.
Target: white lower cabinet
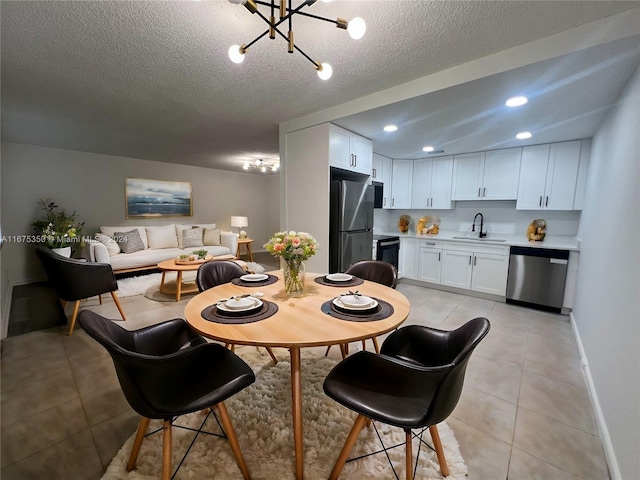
[(467, 266), (407, 265), (429, 268), (480, 268)]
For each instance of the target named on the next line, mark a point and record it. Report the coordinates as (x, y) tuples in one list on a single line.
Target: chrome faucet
[(473, 227)]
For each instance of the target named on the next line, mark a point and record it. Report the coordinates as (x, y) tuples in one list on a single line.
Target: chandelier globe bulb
[(235, 54), (357, 28), (325, 72)]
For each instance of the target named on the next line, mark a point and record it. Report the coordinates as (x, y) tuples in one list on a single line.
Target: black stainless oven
[(387, 249)]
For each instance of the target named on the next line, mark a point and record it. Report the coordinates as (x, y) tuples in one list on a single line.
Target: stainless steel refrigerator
[(351, 224)]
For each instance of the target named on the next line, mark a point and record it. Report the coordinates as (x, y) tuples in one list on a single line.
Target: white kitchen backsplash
[(499, 217)]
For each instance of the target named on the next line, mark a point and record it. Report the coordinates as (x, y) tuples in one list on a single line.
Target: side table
[(247, 243)]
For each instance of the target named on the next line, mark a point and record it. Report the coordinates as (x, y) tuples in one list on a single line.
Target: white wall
[(93, 185), (607, 304)]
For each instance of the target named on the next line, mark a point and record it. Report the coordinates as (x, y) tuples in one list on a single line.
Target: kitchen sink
[(485, 239)]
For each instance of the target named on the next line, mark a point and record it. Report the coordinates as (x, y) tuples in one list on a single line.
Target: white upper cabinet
[(401, 182), (431, 186), (491, 175), (350, 151), (381, 171), (548, 176)]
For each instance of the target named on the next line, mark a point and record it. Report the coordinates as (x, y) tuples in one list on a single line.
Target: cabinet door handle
[(438, 256), (393, 201), (479, 192), (546, 202), (474, 260), (374, 173), (384, 201), (540, 202), (484, 192), (469, 259), (355, 160)]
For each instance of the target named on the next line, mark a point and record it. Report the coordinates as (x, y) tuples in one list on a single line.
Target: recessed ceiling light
[(516, 101), (523, 135), (390, 128), (428, 148)]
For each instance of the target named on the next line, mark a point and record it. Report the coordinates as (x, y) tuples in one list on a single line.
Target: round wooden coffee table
[(180, 288)]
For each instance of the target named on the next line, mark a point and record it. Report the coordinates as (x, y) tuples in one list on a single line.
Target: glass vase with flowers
[(294, 248)]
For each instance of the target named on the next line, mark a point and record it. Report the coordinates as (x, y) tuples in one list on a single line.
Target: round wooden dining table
[(299, 322)]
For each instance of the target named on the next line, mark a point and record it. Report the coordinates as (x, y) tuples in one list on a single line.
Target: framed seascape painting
[(157, 198)]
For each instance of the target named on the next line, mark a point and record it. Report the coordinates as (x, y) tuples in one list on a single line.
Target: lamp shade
[(239, 222)]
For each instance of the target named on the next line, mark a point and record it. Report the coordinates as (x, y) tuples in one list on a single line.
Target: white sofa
[(160, 242)]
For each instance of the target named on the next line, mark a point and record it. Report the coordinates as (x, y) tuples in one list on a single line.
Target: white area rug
[(261, 415), (149, 285), (128, 287)]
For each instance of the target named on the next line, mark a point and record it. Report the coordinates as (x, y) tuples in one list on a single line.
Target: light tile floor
[(524, 412)]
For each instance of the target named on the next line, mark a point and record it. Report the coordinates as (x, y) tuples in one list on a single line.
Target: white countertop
[(559, 242)]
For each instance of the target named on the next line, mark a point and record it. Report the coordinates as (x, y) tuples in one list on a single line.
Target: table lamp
[(240, 222)]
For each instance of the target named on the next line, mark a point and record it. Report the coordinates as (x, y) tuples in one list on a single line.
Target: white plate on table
[(239, 304), (349, 302), (339, 277), (254, 277)]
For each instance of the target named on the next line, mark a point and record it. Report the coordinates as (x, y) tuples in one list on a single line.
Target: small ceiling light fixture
[(390, 128), (516, 101), (428, 149), (523, 135), (356, 28), (263, 165)]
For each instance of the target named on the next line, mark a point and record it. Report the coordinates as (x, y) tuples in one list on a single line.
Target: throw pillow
[(211, 236), (179, 229), (130, 241), (162, 237), (192, 237), (110, 243)]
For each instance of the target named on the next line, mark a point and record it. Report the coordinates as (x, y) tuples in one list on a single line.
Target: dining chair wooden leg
[(437, 445), (100, 298), (137, 443), (348, 445), (408, 455), (233, 440), (364, 344), (272, 355), (74, 315), (115, 299), (327, 350), (375, 344), (166, 450)]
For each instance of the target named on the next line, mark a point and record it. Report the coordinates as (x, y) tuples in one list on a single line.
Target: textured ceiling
[(152, 80)]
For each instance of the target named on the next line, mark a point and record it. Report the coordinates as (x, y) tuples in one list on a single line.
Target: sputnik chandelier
[(355, 28), (262, 165)]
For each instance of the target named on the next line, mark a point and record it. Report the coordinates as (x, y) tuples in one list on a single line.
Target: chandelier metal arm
[(356, 28), (275, 25)]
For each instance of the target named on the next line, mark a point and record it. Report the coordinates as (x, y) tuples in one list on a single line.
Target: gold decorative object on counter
[(428, 225), (537, 230), (403, 223)]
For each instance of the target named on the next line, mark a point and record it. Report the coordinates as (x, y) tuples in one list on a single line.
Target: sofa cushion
[(211, 236), (112, 246), (181, 227), (162, 237), (112, 230), (130, 241), (192, 237)]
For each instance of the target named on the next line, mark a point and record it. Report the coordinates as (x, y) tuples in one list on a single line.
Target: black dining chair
[(377, 271), (75, 280), (167, 370), (414, 383), (218, 272)]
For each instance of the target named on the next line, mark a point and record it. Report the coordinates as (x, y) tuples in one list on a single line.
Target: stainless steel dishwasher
[(537, 277)]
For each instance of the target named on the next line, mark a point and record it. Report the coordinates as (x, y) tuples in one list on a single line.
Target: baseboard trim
[(603, 431)]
